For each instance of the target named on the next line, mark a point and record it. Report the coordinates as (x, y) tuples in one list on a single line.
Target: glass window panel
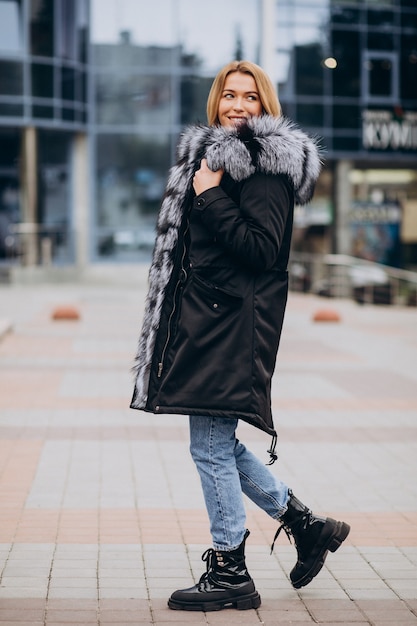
[(346, 144), (346, 51), (11, 83), (42, 80), (346, 116), (54, 192), (42, 112), (68, 114), (131, 99), (379, 17), (11, 26), (82, 29), (67, 83), (8, 109), (309, 70), (194, 92), (408, 67), (380, 76), (66, 43), (310, 114), (346, 15), (42, 27), (131, 177), (380, 41), (409, 19)]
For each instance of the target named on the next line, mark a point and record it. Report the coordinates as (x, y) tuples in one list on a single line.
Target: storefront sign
[(389, 130)]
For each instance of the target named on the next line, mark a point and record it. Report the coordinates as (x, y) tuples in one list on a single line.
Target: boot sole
[(333, 543), (242, 603)]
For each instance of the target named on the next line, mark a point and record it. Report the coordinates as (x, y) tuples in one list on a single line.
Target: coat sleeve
[(252, 232)]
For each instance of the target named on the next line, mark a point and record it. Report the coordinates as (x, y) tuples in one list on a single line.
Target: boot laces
[(209, 557), (301, 523)]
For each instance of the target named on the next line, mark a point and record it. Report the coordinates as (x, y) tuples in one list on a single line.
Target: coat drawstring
[(272, 450)]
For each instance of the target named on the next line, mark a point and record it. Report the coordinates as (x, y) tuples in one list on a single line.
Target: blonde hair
[(267, 93)]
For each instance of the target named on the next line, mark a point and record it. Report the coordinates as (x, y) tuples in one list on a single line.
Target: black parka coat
[(218, 279)]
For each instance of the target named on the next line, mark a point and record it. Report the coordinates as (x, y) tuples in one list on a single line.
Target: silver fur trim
[(269, 145)]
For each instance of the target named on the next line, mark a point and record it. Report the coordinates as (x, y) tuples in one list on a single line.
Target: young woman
[(213, 319)]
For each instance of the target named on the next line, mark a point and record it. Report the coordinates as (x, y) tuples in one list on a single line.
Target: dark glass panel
[(346, 51), (11, 78), (346, 116), (345, 15), (409, 19), (42, 112), (380, 41), (67, 83), (310, 114), (68, 114), (380, 77), (346, 144), (309, 71), (42, 27), (42, 80), (408, 68), (194, 92), (380, 17), (8, 109)]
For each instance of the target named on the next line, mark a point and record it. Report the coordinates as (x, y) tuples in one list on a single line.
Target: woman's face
[(239, 100)]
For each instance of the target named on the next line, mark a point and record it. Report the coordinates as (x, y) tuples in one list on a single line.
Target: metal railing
[(31, 244), (342, 276)]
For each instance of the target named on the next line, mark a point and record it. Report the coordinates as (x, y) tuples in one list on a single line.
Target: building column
[(81, 214), (267, 58), (29, 182), (343, 204)]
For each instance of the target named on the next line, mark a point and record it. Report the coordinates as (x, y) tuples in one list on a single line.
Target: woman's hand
[(205, 178)]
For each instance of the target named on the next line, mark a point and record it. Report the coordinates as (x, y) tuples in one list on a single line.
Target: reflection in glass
[(42, 28), (54, 193), (11, 26), (178, 24), (131, 175), (131, 99)]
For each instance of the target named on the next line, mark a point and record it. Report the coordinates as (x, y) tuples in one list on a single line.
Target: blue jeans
[(227, 469)]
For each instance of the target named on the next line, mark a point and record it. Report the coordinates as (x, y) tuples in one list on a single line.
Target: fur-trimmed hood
[(264, 144)]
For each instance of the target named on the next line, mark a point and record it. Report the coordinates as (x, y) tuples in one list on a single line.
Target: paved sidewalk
[(101, 514)]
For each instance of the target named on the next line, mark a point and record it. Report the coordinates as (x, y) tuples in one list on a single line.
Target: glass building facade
[(43, 103), (94, 93)]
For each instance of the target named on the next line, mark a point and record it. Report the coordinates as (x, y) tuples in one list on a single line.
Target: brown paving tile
[(163, 526), (16, 346)]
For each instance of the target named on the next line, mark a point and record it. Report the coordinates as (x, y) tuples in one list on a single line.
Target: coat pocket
[(215, 295)]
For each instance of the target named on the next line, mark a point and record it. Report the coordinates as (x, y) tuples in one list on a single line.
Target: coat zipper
[(181, 281)]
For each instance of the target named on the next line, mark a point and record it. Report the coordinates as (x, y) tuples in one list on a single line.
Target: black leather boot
[(313, 536), (226, 583)]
